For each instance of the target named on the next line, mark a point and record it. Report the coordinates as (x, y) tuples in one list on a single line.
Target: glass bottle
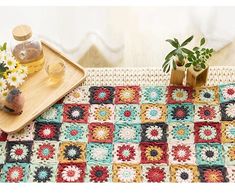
[(27, 49)]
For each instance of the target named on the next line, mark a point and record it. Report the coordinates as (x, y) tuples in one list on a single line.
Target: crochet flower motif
[(209, 154), (228, 92), (75, 113), (207, 132), (184, 175), (126, 153), (153, 94), (154, 133), (47, 131), (207, 95), (43, 174), (228, 111), (155, 174), (68, 172), (152, 152), (152, 113), (127, 113), (213, 174), (19, 152), (180, 112), (128, 94), (15, 174), (78, 95), (179, 95), (127, 133), (46, 151), (101, 132), (180, 132), (230, 131), (99, 173), (104, 94), (102, 113), (53, 114), (126, 174), (74, 132), (181, 153), (206, 112)]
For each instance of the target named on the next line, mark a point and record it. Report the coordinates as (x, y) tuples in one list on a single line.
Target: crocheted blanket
[(127, 134)]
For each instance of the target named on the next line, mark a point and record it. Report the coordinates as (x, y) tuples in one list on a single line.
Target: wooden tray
[(39, 95)]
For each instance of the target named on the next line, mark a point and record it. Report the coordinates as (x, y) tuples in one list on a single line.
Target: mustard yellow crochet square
[(184, 173), (151, 113), (72, 152), (127, 173), (228, 131), (207, 95)]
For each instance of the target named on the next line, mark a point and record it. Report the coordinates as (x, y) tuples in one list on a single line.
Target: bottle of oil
[(27, 49)]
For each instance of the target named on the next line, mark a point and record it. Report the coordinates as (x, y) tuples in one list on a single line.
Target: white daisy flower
[(229, 92), (71, 173), (179, 94), (207, 132), (3, 94), (19, 152), (126, 174), (23, 70), (3, 84), (209, 154), (14, 79), (184, 175), (230, 110), (154, 113), (230, 131), (127, 133), (99, 153), (10, 62), (154, 132), (50, 114)]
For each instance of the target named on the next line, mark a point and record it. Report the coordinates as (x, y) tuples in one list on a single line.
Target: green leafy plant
[(178, 56), (182, 56), (199, 57)]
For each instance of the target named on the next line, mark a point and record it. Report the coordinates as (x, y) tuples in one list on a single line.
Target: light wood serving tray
[(39, 94)]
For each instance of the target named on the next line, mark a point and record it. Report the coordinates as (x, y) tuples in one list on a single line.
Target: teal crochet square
[(209, 154), (153, 94), (53, 114), (74, 132), (42, 173), (99, 153), (127, 113), (180, 112), (227, 92), (15, 172), (98, 173), (127, 133)]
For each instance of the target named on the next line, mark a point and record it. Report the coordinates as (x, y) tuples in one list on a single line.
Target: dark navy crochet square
[(101, 94)]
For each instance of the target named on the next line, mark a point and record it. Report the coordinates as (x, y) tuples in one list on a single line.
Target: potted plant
[(176, 60), (193, 61)]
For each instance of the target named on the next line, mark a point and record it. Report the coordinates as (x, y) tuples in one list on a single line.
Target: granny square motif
[(153, 94), (127, 134), (227, 92), (179, 94), (101, 95)]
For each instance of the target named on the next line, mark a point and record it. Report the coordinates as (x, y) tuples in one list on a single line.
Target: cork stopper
[(22, 32)]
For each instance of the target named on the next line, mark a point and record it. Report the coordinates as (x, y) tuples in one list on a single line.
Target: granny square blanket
[(127, 134)]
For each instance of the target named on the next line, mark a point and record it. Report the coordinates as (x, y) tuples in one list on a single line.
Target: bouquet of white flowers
[(12, 73)]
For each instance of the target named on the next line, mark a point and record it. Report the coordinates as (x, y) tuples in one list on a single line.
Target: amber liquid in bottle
[(30, 55)]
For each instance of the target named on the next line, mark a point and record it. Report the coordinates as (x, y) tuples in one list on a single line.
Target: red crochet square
[(127, 94), (153, 152), (207, 132), (101, 132), (76, 113), (179, 94), (3, 136), (71, 172)]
